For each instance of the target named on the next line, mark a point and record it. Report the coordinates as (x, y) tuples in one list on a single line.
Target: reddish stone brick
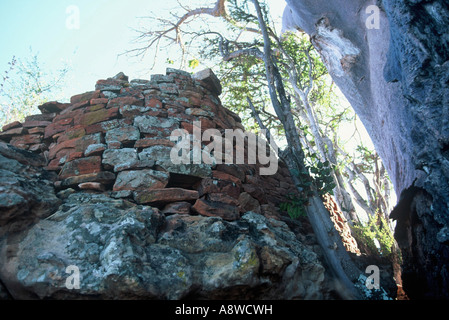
[(153, 103), (66, 155), (37, 130), (26, 139), (53, 106), (12, 125), (156, 196), (85, 96), (53, 166), (207, 124), (154, 112), (78, 145), (92, 186), (226, 177), (98, 116), (80, 105), (190, 94), (248, 203), (133, 91), (7, 135), (74, 155), (114, 145), (68, 113), (216, 209), (209, 185), (72, 133), (232, 169), (187, 126), (181, 208), (145, 143), (33, 124), (99, 101), (222, 198), (81, 166), (110, 85), (41, 117), (255, 192), (54, 149), (57, 127), (103, 177)]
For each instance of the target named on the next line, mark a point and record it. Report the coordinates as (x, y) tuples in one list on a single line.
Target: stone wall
[(89, 185), (116, 139)]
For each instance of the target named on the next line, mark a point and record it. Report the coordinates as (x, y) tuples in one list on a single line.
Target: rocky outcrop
[(391, 62), (127, 251), (92, 205), (26, 190)]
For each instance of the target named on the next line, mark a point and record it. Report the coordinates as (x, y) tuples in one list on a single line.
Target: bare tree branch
[(251, 51), (318, 215), (359, 199), (268, 135)]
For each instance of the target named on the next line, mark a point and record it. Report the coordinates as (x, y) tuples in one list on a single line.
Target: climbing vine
[(318, 173)]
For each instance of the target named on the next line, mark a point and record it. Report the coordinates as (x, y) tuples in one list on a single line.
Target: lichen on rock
[(98, 192)]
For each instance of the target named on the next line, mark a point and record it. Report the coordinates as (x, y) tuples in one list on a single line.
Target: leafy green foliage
[(194, 63), (322, 174), (25, 86), (376, 229), (316, 173), (294, 206)]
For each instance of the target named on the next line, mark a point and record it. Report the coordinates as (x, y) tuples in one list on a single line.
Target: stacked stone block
[(116, 140)]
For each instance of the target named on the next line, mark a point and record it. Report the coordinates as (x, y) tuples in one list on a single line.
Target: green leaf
[(194, 63)]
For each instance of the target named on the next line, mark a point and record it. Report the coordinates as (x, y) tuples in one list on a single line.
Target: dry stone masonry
[(116, 139), (88, 187)]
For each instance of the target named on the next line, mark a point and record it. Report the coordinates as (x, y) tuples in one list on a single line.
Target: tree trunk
[(392, 65), (330, 241)]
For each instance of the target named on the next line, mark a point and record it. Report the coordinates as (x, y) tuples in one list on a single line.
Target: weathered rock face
[(127, 251), (89, 186), (396, 77), (26, 190)]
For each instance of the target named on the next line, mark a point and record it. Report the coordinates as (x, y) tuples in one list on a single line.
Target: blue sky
[(105, 31)]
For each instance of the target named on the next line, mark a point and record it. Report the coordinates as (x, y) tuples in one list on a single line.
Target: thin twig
[(261, 124)]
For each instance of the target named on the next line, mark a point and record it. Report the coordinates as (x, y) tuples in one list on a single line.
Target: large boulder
[(128, 251)]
